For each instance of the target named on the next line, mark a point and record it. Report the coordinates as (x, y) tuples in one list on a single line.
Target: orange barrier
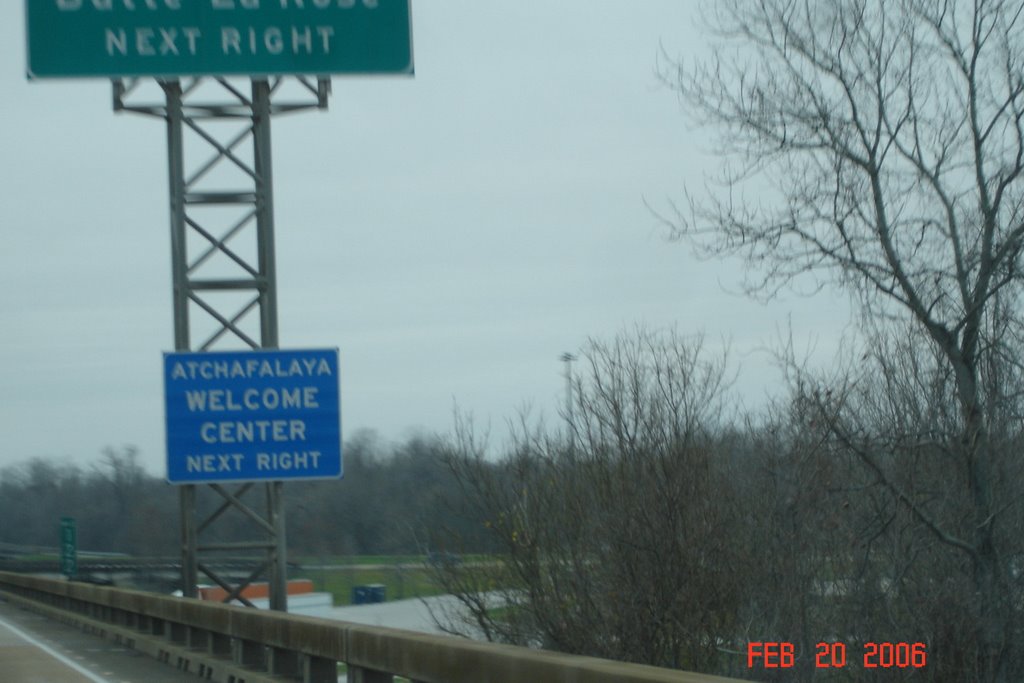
[(255, 591)]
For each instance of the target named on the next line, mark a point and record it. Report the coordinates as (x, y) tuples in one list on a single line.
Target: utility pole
[(568, 359)]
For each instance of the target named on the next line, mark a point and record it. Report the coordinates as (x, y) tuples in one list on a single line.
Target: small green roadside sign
[(68, 547), (169, 38)]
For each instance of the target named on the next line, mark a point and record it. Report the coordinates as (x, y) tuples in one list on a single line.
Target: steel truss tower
[(225, 280)]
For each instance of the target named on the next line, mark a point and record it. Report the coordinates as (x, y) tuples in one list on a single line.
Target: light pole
[(568, 358)]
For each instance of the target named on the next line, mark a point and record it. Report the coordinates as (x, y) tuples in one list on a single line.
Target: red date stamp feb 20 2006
[(836, 655)]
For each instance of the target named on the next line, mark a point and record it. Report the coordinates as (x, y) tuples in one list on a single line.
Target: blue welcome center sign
[(252, 415)]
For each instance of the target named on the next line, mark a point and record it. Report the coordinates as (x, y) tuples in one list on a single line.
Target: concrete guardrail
[(241, 645)]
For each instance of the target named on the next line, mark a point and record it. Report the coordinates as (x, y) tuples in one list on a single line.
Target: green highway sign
[(68, 547), (169, 38)]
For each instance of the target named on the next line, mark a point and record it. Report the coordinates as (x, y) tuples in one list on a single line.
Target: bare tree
[(615, 542), (879, 145)]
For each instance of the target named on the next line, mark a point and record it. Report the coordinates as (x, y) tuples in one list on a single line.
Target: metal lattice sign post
[(223, 264)]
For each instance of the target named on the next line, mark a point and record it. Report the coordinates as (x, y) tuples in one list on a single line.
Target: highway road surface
[(34, 649)]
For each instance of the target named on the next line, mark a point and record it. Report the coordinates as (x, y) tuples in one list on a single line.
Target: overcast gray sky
[(452, 234)]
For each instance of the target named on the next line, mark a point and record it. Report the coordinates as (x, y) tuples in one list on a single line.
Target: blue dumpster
[(368, 594)]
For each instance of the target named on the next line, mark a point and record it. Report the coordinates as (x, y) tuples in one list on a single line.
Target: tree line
[(391, 496), (659, 524)]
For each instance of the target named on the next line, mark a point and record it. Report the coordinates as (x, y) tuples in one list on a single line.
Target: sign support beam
[(217, 282), (208, 259)]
